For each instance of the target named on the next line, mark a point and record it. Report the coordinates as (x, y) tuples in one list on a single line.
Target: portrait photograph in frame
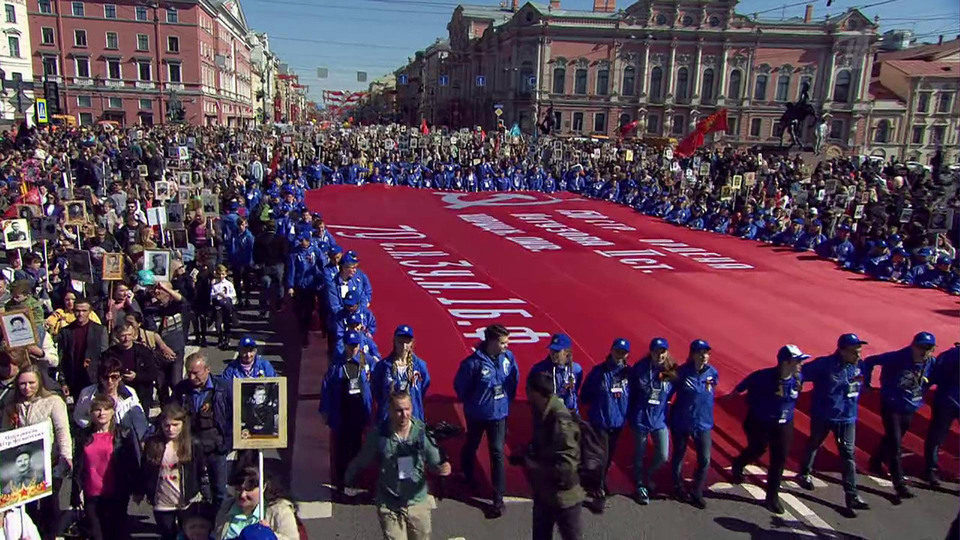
[(260, 413), (17, 328), (76, 212), (158, 262), (112, 266), (26, 465), (16, 234)]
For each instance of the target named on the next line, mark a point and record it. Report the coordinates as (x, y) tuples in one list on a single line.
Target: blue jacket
[(261, 368), (486, 386), (770, 398), (607, 394), (945, 374), (336, 383), (303, 268), (836, 388), (338, 323), (566, 380), (649, 396), (693, 408), (834, 248), (809, 241), (387, 380), (336, 291), (888, 270), (240, 250), (902, 381)]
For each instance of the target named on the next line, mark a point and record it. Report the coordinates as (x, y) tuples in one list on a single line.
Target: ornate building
[(665, 63)]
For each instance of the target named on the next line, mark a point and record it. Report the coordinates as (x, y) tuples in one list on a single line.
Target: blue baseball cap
[(352, 338), (894, 239), (621, 344), (943, 259), (303, 236), (925, 252), (659, 343), (900, 251), (844, 227), (699, 345), (560, 342), (816, 222), (925, 339), (334, 250), (248, 342), (351, 298), (849, 340), (403, 331), (257, 531), (791, 352), (350, 258), (798, 221), (355, 318)]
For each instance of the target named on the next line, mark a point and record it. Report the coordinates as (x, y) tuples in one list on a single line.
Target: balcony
[(114, 83), (83, 81), (145, 85), (175, 86)]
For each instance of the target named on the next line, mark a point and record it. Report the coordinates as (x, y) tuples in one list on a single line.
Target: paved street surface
[(733, 511)]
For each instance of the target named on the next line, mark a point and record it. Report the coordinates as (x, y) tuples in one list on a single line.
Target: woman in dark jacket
[(172, 469)]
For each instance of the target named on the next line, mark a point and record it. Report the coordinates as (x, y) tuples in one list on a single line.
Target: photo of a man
[(16, 234), (260, 414), (76, 213), (17, 330), (20, 468)]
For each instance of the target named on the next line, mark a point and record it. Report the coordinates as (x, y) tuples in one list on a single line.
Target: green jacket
[(555, 457), (380, 443)]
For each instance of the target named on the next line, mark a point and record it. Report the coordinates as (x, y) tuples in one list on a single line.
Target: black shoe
[(903, 492), (642, 496), (854, 502), (932, 478), (805, 482), (496, 510), (681, 495), (698, 502), (774, 505), (737, 473)]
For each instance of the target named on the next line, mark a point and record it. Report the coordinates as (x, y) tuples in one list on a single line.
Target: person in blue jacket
[(248, 364), (839, 248), (790, 236), (401, 371), (945, 375), (606, 392), (904, 375), (771, 399), (486, 383), (692, 417), (651, 383), (303, 281), (240, 257), (837, 382), (812, 238), (893, 268), (346, 403), (340, 320), (356, 322), (567, 374)]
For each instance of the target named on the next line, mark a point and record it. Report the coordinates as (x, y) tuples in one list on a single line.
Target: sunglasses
[(113, 377)]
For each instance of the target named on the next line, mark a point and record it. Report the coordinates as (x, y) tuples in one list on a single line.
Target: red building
[(125, 60)]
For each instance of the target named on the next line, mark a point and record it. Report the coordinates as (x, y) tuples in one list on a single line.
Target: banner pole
[(263, 502)]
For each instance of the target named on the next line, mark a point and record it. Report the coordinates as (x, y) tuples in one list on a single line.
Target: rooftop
[(923, 68), (923, 52)]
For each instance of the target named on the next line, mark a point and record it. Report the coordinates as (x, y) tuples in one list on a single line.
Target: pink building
[(124, 60)]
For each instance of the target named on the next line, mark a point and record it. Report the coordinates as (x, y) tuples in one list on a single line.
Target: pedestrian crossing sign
[(42, 111)]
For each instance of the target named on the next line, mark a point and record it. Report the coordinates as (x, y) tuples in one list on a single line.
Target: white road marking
[(315, 510), (759, 494), (721, 486), (882, 482), (804, 511)]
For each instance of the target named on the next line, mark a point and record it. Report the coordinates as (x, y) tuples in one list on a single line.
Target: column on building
[(828, 78), (671, 67), (644, 72), (722, 90), (697, 66)]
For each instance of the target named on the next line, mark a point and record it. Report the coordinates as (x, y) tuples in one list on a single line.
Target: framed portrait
[(162, 190), (76, 212), (173, 152), (112, 266), (185, 178), (16, 233), (143, 171), (750, 179), (183, 153), (726, 193), (173, 164), (158, 262), (180, 238), (26, 470), (830, 186), (183, 193), (79, 265), (737, 181), (211, 204), (858, 212), (175, 216), (197, 179), (260, 413), (17, 328), (705, 169), (47, 228), (29, 211), (940, 220), (156, 216)]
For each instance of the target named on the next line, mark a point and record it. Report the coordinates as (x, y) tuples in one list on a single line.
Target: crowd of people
[(126, 248)]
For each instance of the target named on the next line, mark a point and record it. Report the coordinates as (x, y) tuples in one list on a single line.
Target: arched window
[(683, 84), (559, 79), (603, 80), (580, 82), (733, 92), (841, 88), (629, 80), (707, 88), (783, 87), (625, 119), (882, 134), (656, 84), (760, 88)]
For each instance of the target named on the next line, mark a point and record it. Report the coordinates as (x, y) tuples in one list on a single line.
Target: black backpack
[(593, 456)]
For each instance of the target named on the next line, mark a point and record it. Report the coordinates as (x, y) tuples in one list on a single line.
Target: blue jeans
[(661, 447), (702, 442), (845, 434), (216, 465), (496, 431)]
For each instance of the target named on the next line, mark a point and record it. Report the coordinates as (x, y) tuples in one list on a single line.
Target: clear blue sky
[(377, 36)]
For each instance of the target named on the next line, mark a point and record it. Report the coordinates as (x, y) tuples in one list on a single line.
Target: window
[(600, 122), (882, 134), (559, 79), (143, 42), (113, 42), (80, 38), (683, 84), (756, 125), (732, 123), (45, 6), (141, 13), (557, 120), (656, 84), (173, 44), (923, 102), (707, 90), (77, 8), (46, 36), (173, 70), (733, 91), (115, 103), (677, 127), (580, 82), (836, 129), (83, 67), (917, 135), (146, 104), (653, 124), (943, 102), (84, 101), (807, 81), (109, 11), (113, 70), (86, 119), (143, 70), (50, 66), (11, 12), (760, 88), (629, 80), (938, 133), (777, 130), (578, 121), (625, 119), (14, 43), (173, 16), (783, 87), (603, 80), (841, 88)]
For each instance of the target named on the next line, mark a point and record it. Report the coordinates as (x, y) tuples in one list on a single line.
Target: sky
[(378, 36)]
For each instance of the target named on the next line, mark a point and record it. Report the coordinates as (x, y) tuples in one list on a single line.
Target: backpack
[(593, 456)]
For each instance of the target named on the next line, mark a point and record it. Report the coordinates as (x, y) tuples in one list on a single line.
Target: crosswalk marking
[(882, 482), (315, 510), (759, 494), (807, 514)]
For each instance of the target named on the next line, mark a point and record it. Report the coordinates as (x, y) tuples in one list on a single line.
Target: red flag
[(689, 145), (715, 122), (627, 128), (424, 130)]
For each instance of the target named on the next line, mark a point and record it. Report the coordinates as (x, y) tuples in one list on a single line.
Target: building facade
[(664, 63), (16, 65), (126, 61)]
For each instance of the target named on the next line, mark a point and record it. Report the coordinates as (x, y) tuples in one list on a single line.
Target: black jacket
[(270, 249), (76, 376), (190, 475)]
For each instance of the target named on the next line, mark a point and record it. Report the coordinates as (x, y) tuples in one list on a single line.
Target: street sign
[(444, 80), (401, 79), (42, 111), (481, 80), (498, 112), (498, 109)]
